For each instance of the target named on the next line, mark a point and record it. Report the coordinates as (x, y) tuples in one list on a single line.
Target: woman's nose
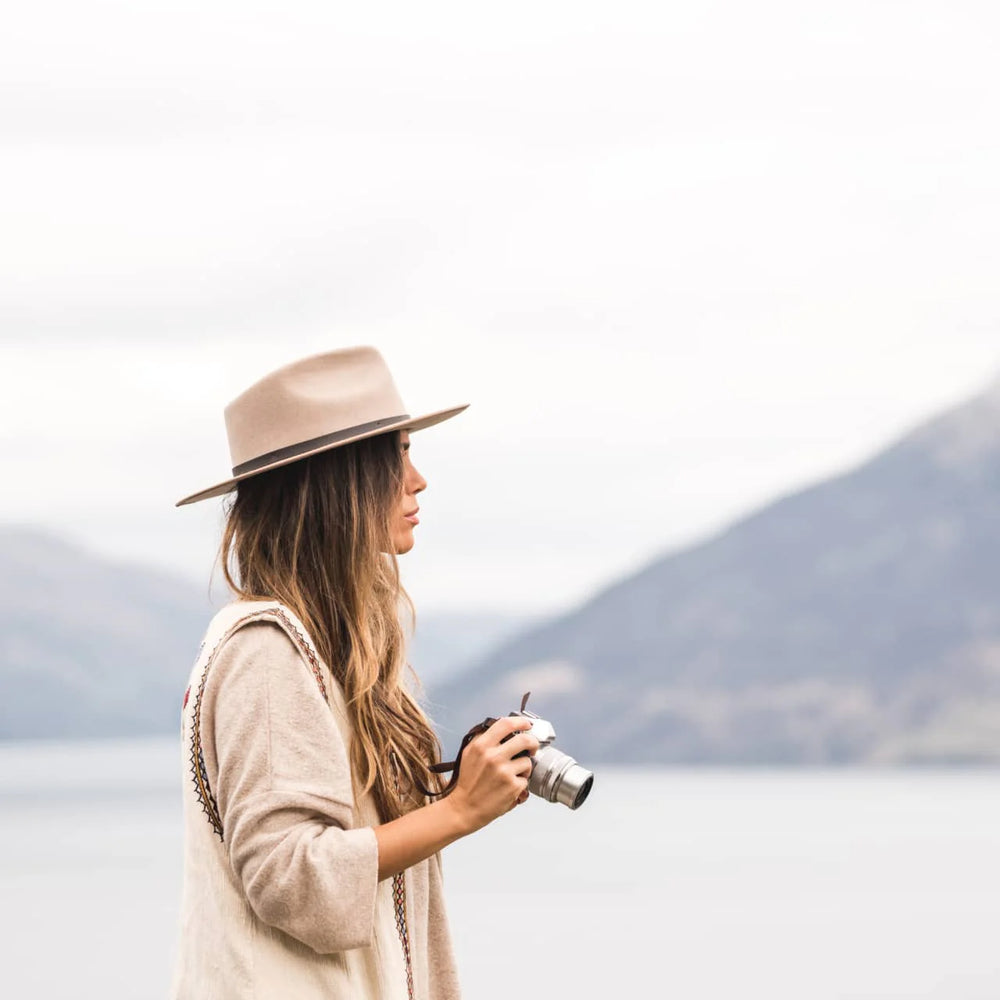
[(416, 482)]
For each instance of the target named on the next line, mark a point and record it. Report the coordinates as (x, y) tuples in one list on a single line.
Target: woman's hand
[(490, 781)]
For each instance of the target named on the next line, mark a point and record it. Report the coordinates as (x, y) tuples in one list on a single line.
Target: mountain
[(94, 648), (445, 642), (90, 647), (855, 621)]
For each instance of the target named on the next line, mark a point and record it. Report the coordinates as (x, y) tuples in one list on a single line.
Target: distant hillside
[(857, 620), (854, 621), (89, 647), (444, 643), (93, 648)]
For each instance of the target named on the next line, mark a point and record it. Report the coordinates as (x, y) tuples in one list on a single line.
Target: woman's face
[(403, 521)]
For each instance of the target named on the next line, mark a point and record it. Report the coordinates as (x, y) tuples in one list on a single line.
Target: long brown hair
[(315, 534)]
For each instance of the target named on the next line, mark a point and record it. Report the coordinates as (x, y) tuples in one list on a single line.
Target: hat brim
[(410, 424)]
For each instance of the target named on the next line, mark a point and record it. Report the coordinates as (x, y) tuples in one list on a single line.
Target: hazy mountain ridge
[(857, 620), (90, 647), (444, 642), (93, 648)]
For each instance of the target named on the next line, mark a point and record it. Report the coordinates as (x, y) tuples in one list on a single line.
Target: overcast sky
[(679, 261)]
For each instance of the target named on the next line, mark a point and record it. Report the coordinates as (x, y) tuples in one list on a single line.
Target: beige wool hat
[(312, 405)]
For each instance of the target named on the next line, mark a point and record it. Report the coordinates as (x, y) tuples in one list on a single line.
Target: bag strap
[(399, 902), (278, 612), (196, 756)]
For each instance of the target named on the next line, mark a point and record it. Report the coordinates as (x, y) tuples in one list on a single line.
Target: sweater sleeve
[(284, 793)]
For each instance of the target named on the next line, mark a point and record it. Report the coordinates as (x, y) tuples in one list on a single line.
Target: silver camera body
[(555, 776)]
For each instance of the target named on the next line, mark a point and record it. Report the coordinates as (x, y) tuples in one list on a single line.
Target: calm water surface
[(702, 884)]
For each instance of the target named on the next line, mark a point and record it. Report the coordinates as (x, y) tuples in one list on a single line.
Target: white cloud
[(679, 259)]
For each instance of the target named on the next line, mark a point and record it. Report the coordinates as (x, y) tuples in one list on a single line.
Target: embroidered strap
[(399, 900), (399, 904), (199, 772), (196, 756)]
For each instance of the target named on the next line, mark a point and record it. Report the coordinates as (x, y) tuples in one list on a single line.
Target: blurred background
[(719, 283)]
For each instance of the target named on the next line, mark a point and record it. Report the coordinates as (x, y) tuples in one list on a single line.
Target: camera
[(555, 776)]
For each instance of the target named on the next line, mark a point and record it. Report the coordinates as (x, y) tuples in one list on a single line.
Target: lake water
[(701, 884)]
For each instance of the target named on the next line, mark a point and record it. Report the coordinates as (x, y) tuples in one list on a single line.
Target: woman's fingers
[(522, 766), (503, 728), (518, 744), (520, 797)]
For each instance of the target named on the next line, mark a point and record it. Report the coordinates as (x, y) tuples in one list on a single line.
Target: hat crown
[(323, 394)]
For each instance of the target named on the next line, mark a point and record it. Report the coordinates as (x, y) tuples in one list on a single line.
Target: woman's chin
[(404, 543)]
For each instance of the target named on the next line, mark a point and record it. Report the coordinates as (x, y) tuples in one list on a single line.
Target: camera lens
[(556, 777), (583, 791), (574, 786)]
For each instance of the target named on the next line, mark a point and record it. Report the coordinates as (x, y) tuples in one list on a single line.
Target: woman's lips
[(412, 518)]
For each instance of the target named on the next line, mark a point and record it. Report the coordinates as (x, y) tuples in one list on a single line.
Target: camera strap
[(455, 765)]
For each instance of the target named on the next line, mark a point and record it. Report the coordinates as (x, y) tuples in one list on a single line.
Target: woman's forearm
[(494, 779), (417, 835)]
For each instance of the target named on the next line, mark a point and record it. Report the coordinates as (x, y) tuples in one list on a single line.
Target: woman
[(311, 860)]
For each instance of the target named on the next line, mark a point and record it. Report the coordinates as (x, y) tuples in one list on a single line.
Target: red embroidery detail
[(399, 902), (186, 693)]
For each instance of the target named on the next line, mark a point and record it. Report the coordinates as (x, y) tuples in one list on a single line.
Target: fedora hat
[(311, 405)]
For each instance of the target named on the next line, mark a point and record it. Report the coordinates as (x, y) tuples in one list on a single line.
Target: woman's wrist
[(417, 835), (457, 816), (466, 818)]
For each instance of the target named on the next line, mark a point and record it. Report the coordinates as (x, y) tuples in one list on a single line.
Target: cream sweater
[(281, 898)]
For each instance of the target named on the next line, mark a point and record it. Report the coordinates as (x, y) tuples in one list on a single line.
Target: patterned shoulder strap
[(281, 614), (199, 773)]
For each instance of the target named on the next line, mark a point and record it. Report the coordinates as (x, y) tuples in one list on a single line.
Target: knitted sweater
[(281, 898)]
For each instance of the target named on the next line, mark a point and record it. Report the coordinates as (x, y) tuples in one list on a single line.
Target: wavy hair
[(315, 534)]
